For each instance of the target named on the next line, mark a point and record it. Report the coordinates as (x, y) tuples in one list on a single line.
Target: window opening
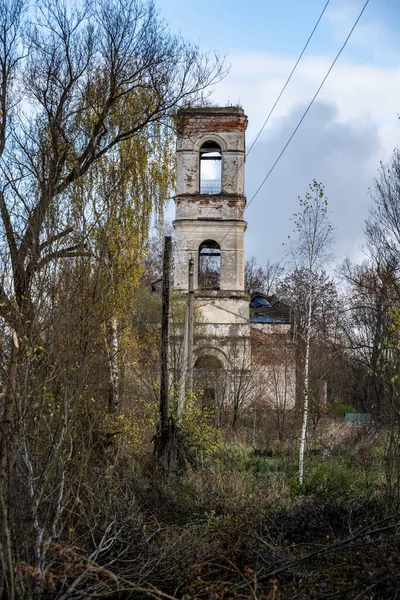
[(209, 376), (210, 168), (208, 363), (209, 265)]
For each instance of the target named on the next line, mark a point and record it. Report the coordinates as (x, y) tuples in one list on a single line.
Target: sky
[(352, 126)]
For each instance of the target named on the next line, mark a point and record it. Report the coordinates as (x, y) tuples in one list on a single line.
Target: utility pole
[(186, 382), (9, 403), (164, 383), (190, 299), (254, 437)]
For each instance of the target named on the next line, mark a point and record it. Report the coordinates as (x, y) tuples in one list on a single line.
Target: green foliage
[(298, 489), (202, 436), (212, 522), (238, 454), (334, 477), (146, 311), (132, 432), (338, 408), (259, 465)]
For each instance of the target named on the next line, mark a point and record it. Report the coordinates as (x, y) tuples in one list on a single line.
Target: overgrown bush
[(338, 408)]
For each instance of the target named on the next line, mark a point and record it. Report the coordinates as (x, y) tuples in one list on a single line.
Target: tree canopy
[(79, 85)]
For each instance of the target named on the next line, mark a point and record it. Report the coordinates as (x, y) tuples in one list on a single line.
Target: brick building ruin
[(243, 347)]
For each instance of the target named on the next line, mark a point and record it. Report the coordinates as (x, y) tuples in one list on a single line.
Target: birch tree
[(310, 250), (84, 89), (262, 278), (125, 189), (88, 80)]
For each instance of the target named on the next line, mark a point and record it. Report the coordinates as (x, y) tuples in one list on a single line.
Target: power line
[(288, 79), (273, 106), (304, 114), (309, 105)]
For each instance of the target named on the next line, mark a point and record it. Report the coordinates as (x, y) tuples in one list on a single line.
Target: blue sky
[(276, 26), (351, 127)]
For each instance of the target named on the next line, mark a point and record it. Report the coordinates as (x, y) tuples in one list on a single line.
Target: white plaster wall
[(224, 329), (187, 172), (203, 128), (278, 385), (209, 207), (195, 136), (224, 311), (273, 328), (188, 167), (233, 173)]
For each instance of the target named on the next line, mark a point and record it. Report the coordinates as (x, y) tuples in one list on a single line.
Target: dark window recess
[(208, 363), (209, 265), (210, 168), (209, 376)]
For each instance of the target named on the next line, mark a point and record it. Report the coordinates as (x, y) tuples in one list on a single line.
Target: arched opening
[(209, 377), (210, 168), (209, 265)]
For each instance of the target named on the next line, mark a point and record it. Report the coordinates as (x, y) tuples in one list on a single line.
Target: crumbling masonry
[(240, 356)]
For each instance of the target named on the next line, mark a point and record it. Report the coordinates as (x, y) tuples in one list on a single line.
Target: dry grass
[(236, 526)]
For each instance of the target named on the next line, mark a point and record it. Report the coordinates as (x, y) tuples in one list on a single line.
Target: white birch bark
[(303, 437), (113, 363), (314, 236), (111, 344)]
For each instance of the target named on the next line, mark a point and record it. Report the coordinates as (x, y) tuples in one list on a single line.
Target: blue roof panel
[(259, 302), (260, 318)]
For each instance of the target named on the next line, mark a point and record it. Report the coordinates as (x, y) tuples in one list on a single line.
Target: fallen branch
[(327, 549)]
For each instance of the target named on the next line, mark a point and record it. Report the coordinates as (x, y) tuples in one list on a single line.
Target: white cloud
[(332, 152), (342, 14), (352, 126), (358, 90)]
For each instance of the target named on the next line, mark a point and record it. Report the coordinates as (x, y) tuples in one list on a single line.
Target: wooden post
[(164, 383), (9, 399), (186, 382), (190, 328)]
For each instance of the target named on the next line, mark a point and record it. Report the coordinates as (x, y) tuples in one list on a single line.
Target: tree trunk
[(186, 382), (111, 342), (112, 350), (9, 397), (254, 435), (306, 387), (163, 437), (9, 400)]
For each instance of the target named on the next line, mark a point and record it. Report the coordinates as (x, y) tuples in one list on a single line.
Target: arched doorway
[(210, 381)]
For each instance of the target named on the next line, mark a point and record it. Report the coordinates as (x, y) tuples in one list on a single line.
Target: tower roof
[(210, 110), (211, 119)]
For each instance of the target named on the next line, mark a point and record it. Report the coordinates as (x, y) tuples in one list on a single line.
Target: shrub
[(338, 408), (334, 477)]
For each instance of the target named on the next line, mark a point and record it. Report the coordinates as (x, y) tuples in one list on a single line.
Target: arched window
[(208, 363), (210, 168), (209, 265), (209, 377)]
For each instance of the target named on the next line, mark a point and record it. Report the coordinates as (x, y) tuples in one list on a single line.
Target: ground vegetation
[(87, 102)]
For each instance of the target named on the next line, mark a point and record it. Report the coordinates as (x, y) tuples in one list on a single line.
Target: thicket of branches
[(87, 98)]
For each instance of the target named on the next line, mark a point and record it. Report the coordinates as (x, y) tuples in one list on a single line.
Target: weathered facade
[(210, 227)]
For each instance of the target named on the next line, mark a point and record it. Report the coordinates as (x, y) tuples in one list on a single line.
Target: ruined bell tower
[(238, 358), (210, 202), (209, 224)]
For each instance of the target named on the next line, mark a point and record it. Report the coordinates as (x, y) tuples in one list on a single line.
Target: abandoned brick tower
[(209, 227), (210, 202)]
